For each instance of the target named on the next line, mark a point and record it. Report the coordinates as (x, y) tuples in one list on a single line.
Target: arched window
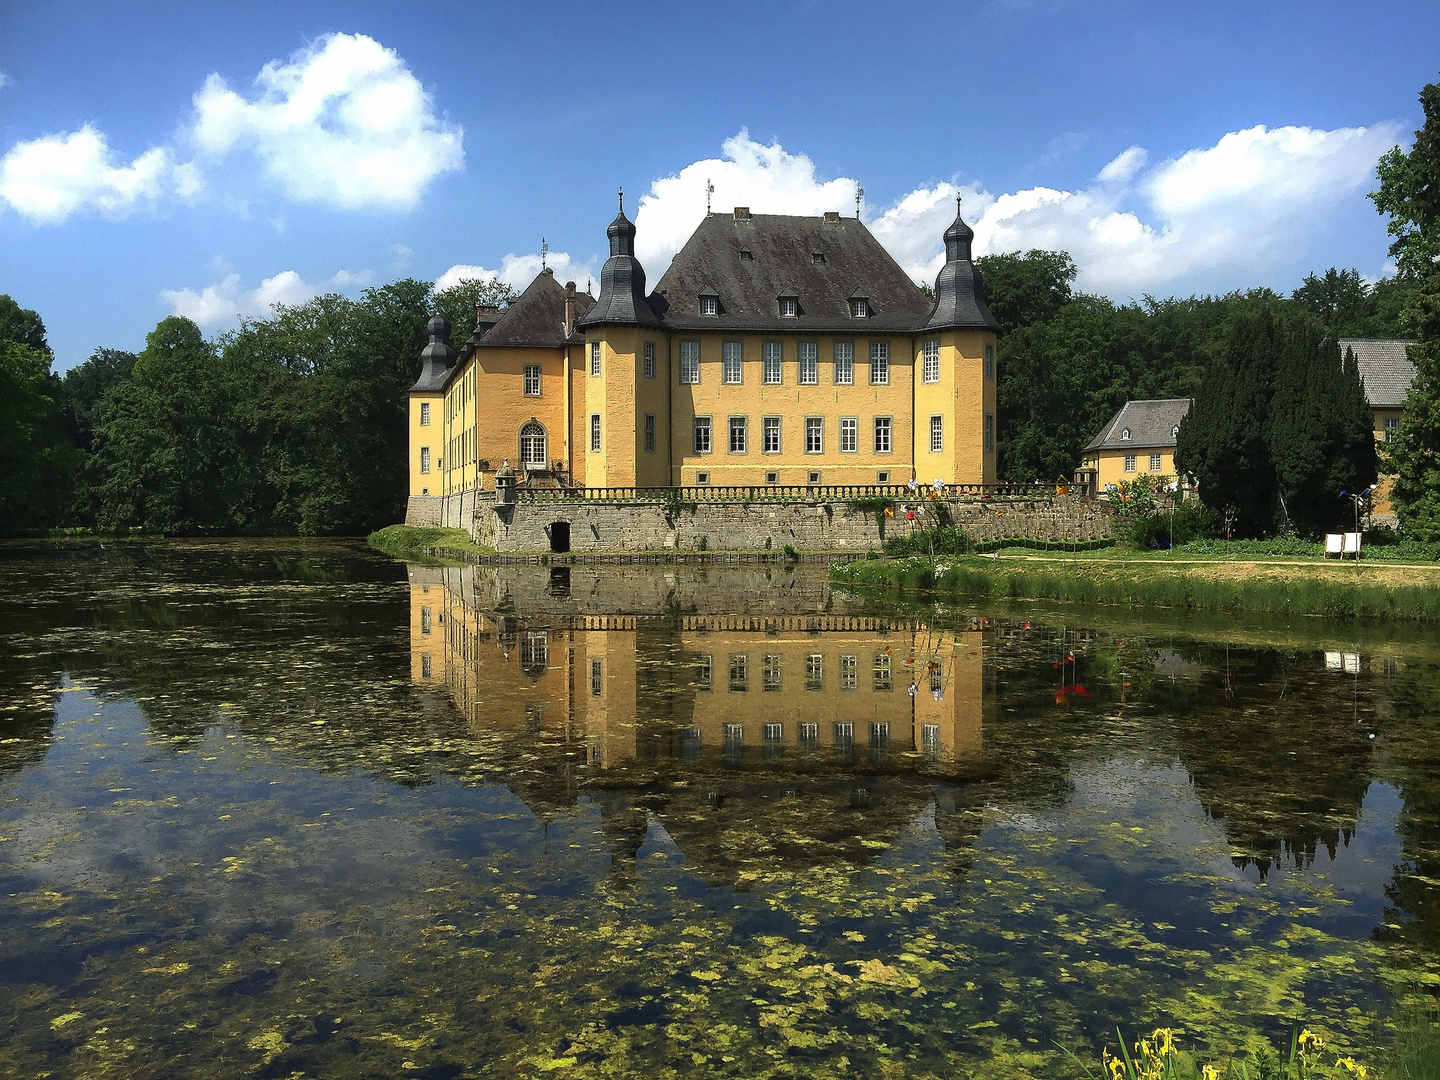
[(532, 446), (1125, 434)]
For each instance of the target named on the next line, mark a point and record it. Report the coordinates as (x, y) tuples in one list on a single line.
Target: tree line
[(296, 423)]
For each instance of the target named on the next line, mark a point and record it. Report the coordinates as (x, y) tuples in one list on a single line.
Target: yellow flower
[(1209, 1072), (1310, 1043), (1353, 1067)]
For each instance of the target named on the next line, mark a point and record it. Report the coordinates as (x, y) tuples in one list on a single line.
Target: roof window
[(746, 256), (817, 256), (710, 305), (859, 307), (1125, 434), (1175, 432), (789, 307)]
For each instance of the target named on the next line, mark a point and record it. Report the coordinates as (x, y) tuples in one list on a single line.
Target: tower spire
[(622, 200), (544, 251)]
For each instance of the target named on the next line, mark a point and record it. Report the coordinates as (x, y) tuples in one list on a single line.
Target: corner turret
[(438, 358), (622, 281), (959, 291)]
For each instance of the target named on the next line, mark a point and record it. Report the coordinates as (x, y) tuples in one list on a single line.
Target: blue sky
[(211, 159)]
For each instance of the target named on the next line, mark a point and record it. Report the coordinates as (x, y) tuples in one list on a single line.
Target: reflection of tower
[(427, 609), (607, 718)]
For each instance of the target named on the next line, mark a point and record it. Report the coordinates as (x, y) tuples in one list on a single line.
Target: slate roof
[(959, 291), (782, 263), (1385, 369), (536, 318), (437, 359), (1151, 425), (622, 281)]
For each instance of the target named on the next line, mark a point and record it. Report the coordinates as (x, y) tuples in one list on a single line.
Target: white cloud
[(1211, 218), (344, 122), (768, 179), (518, 271), (49, 178), (403, 256), (226, 302), (4, 80)]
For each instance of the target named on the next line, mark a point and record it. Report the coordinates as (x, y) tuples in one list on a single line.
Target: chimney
[(832, 215), (569, 308), (486, 316), (742, 213)]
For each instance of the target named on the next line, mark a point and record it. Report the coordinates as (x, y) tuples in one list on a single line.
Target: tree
[(36, 461), (459, 301), (1022, 290), (1222, 443), (22, 326), (1409, 194), (1340, 299)]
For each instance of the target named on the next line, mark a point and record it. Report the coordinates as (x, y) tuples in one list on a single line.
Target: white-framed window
[(594, 359), (425, 414), (879, 363), (1129, 462), (789, 307), (690, 363), (424, 459), (733, 353), (883, 673), (595, 431), (532, 446), (773, 353), (649, 360), (814, 671), (809, 353), (709, 305), (770, 674), (739, 679), (989, 433), (702, 436), (532, 380), (704, 671), (844, 363), (859, 307), (649, 433), (937, 433), (1125, 434), (814, 435), (882, 434), (1154, 462), (1392, 427), (849, 434), (773, 732), (770, 435), (738, 434), (849, 672), (990, 361), (930, 360)]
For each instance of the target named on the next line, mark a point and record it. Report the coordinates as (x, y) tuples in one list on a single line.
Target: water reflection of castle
[(797, 679)]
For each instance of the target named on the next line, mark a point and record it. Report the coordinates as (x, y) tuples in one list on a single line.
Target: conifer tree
[(1409, 193)]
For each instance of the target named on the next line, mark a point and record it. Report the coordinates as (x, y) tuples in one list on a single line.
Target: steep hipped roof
[(782, 262), (1385, 368), (959, 292), (1151, 425), (536, 318)]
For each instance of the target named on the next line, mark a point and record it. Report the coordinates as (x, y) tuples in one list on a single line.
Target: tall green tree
[(459, 301), (1022, 290), (1409, 194), (36, 459)]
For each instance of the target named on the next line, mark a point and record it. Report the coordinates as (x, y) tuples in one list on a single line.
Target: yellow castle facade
[(775, 350)]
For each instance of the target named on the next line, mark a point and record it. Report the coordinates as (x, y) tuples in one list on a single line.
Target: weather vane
[(544, 251), (709, 190), (622, 200), (859, 194)]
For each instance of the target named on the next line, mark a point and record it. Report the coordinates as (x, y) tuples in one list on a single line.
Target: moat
[(272, 808)]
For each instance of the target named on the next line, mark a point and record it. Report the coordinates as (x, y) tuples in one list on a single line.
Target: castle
[(775, 350)]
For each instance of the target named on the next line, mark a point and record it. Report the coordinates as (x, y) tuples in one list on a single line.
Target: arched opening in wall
[(559, 536), (532, 445)]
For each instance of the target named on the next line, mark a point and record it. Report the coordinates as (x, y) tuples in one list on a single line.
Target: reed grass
[(424, 543)]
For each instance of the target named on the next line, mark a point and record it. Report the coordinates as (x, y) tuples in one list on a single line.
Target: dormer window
[(709, 305), (859, 307), (789, 307), (746, 256), (1125, 435), (1175, 432), (817, 256)]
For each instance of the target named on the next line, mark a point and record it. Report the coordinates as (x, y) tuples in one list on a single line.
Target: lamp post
[(1358, 499)]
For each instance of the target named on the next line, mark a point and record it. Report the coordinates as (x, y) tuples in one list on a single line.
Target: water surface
[(283, 809)]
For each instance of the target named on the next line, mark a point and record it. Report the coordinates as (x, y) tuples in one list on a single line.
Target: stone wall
[(731, 526), (448, 511)]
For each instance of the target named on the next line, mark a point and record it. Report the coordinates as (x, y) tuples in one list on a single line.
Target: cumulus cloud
[(226, 302), (344, 122), (518, 271), (49, 178), (1215, 215)]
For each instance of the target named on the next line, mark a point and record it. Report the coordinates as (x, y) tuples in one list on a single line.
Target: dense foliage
[(291, 424), (1409, 194)]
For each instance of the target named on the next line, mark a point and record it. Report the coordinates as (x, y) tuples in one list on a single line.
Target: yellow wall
[(429, 436), (1380, 500), (1110, 464)]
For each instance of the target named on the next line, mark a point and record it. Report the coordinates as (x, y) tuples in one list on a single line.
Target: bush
[(945, 540)]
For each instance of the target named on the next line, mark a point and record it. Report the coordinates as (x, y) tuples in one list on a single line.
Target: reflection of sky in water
[(370, 883)]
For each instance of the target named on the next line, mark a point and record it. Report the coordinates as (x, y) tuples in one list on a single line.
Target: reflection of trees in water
[(1271, 757)]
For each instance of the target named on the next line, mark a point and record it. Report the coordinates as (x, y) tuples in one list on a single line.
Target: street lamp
[(1358, 499)]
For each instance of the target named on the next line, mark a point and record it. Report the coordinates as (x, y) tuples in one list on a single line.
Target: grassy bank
[(424, 543), (1112, 577)]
